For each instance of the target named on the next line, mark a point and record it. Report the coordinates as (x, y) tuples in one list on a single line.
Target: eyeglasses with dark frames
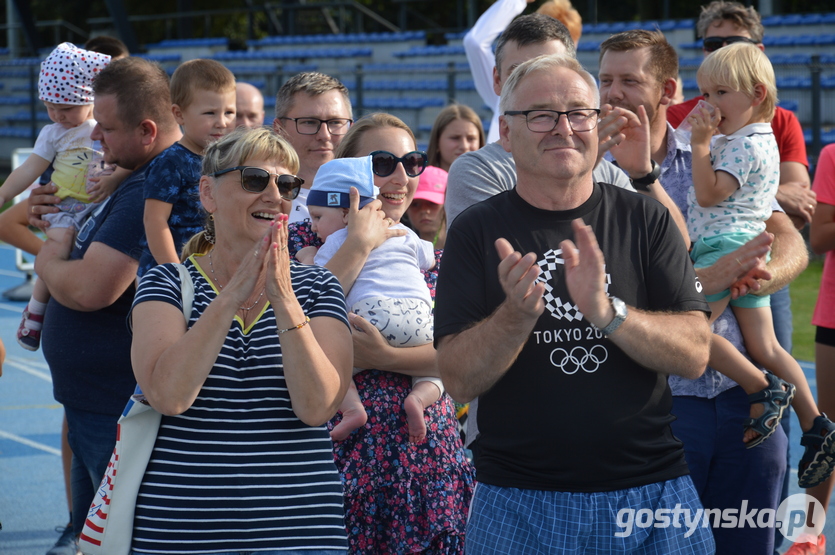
[(545, 121), (712, 44), (383, 163), (255, 180), (311, 126)]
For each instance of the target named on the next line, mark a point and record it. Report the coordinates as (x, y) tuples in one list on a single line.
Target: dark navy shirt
[(89, 352), (174, 177)]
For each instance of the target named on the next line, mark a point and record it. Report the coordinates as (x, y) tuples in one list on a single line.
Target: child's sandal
[(818, 460), (774, 398)]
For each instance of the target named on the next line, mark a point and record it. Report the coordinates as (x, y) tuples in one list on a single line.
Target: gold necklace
[(214, 277)]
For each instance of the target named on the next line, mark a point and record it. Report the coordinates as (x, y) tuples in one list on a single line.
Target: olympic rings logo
[(579, 358)]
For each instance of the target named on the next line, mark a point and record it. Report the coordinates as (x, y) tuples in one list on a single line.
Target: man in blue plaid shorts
[(575, 452)]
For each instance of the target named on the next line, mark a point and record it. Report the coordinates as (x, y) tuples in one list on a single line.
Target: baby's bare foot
[(352, 419), (415, 419)]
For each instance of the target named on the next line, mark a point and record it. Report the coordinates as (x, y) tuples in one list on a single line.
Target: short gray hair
[(719, 10), (311, 83), (543, 63)]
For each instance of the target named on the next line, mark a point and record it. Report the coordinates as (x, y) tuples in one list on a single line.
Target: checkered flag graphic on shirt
[(557, 307)]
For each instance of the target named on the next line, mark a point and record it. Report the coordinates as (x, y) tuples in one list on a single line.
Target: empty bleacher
[(401, 73)]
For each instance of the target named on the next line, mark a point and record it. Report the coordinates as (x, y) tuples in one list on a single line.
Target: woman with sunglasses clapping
[(248, 380), (400, 496)]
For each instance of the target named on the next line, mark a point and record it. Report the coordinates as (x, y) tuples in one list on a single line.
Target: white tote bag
[(108, 529)]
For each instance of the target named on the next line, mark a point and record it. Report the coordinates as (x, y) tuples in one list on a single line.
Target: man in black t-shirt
[(547, 339)]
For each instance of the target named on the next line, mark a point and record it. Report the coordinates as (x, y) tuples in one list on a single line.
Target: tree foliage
[(431, 15)]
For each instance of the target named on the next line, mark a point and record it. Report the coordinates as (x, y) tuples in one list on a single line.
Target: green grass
[(804, 294)]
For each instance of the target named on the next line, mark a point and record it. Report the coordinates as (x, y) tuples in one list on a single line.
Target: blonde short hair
[(741, 16), (243, 144), (741, 66), (544, 63), (564, 12), (233, 150), (199, 75)]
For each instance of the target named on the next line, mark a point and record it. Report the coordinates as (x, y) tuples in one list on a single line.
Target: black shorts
[(825, 336)]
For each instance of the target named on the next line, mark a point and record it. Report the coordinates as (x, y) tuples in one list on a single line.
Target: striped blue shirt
[(238, 471)]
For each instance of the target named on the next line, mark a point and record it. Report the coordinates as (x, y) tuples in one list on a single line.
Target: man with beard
[(638, 72), (491, 170)]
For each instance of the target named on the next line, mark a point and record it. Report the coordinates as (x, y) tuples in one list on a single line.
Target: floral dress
[(401, 497)]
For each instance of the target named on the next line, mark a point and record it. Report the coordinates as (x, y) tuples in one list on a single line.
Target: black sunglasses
[(712, 44), (255, 180), (383, 163)]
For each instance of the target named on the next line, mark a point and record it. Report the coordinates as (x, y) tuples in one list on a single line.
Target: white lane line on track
[(28, 369), (30, 443), (11, 307)]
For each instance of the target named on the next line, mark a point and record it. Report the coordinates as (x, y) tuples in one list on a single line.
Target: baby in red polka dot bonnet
[(65, 86)]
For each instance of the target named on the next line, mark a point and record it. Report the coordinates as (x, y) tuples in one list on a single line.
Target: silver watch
[(620, 316)]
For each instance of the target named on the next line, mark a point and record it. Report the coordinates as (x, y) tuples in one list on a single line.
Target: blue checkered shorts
[(533, 522)]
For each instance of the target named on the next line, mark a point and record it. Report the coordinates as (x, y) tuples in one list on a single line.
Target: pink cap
[(432, 185)]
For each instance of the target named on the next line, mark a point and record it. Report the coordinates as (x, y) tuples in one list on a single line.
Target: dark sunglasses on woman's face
[(255, 180), (712, 44), (383, 163)]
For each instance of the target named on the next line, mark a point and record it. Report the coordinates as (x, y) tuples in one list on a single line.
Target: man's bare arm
[(669, 342), (789, 256), (86, 284), (795, 193), (472, 361)]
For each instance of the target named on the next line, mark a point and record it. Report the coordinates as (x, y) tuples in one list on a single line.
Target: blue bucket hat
[(333, 182)]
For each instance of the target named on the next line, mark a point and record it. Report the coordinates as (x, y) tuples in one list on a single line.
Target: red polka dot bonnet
[(67, 75)]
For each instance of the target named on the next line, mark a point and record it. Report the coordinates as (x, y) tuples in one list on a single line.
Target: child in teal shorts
[(734, 185)]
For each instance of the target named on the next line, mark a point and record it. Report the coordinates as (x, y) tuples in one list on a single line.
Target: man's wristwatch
[(643, 183), (620, 316)]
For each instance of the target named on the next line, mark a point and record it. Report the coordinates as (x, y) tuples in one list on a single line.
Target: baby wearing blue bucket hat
[(389, 291)]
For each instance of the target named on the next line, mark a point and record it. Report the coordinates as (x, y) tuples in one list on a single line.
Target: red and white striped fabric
[(109, 526)]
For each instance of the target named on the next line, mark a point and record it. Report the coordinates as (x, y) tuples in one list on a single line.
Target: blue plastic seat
[(690, 63), (15, 132), (691, 45), (790, 105), (792, 19), (811, 19), (588, 46)]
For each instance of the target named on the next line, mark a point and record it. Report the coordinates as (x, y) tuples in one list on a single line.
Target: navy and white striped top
[(238, 471)]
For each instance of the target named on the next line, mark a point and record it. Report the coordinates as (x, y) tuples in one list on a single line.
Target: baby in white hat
[(66, 88), (389, 291)]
